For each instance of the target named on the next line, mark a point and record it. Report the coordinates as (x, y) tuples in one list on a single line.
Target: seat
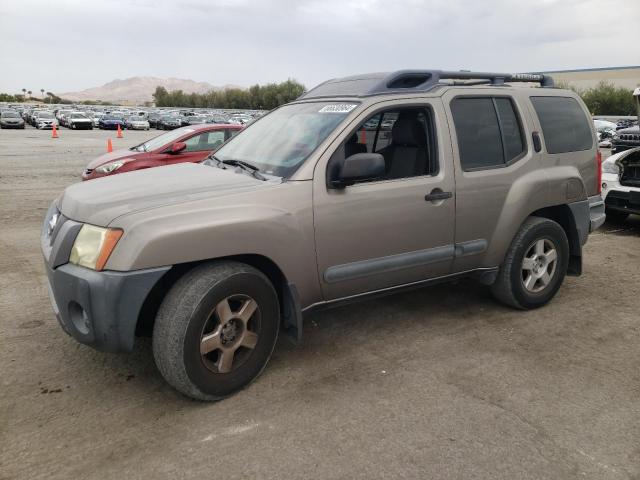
[(351, 147), (406, 155)]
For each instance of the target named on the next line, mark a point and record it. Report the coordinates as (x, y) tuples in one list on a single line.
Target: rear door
[(495, 166)]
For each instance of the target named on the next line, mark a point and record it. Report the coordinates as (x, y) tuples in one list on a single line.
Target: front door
[(397, 229)]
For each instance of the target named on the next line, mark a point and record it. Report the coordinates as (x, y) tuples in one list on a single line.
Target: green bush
[(605, 98), (257, 97)]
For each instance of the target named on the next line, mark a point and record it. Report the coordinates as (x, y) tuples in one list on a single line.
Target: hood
[(110, 157), (620, 155), (102, 200)]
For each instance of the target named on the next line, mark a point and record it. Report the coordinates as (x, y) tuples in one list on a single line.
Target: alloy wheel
[(230, 334), (539, 265)]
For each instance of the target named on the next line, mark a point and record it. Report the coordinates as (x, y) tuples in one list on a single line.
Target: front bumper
[(82, 125), (99, 309), (12, 125), (619, 197)]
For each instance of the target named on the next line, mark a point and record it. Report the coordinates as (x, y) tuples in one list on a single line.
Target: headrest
[(407, 131)]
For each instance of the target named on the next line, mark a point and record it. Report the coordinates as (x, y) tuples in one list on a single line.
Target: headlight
[(110, 167), (610, 167), (93, 245)]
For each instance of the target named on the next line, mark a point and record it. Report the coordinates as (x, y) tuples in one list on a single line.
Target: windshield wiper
[(138, 148), (246, 166)]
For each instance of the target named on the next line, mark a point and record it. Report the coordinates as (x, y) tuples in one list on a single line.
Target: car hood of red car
[(111, 157)]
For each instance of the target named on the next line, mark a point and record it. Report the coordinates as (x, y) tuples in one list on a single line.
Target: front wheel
[(216, 329), (535, 265)]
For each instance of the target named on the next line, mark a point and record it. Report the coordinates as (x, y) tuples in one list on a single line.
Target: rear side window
[(488, 130), (564, 125)]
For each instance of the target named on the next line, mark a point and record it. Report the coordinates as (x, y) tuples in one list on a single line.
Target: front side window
[(279, 142), (405, 138), (564, 124)]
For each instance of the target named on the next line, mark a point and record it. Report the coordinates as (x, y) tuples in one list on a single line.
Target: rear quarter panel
[(572, 175)]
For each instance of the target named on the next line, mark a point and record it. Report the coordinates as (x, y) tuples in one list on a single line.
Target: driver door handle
[(437, 194)]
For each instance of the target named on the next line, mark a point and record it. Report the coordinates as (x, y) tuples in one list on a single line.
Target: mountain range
[(137, 90)]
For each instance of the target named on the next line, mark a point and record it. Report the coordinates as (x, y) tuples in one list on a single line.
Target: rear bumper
[(588, 215), (100, 309), (597, 215)]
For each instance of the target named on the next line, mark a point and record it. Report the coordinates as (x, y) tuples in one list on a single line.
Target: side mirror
[(359, 167), (177, 147)]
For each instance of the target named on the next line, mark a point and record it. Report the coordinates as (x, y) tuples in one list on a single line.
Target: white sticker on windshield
[(337, 108)]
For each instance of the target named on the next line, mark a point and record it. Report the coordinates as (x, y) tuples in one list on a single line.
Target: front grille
[(629, 137)]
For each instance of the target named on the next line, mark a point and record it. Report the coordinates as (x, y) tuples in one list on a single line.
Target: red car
[(193, 144)]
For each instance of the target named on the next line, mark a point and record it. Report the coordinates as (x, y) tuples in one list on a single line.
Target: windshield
[(163, 139), (10, 115), (45, 115), (278, 143), (111, 117)]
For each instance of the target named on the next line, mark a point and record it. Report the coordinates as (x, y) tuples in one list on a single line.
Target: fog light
[(79, 317)]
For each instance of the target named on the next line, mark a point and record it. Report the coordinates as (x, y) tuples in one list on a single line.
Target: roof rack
[(403, 81)]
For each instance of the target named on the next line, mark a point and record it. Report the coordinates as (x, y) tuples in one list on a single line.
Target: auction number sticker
[(338, 108)]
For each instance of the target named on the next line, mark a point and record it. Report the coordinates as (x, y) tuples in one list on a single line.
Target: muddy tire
[(535, 265), (216, 329)]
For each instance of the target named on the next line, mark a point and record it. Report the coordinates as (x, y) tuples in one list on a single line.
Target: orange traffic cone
[(109, 146), (54, 131), (119, 132)]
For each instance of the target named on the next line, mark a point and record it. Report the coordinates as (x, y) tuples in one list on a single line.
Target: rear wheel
[(535, 265), (216, 329)]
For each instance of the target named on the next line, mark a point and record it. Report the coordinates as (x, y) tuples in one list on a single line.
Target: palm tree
[(29, 92), (24, 92), (42, 92)]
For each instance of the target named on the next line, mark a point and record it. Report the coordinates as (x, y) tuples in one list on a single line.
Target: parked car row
[(104, 117)]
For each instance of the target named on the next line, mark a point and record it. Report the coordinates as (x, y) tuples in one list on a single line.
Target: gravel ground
[(442, 383)]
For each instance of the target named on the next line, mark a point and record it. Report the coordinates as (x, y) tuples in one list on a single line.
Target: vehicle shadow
[(627, 227), (341, 336)]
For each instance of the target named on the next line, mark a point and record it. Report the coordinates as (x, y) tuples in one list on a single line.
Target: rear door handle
[(437, 194)]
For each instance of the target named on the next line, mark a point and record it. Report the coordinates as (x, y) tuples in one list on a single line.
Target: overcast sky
[(66, 45)]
